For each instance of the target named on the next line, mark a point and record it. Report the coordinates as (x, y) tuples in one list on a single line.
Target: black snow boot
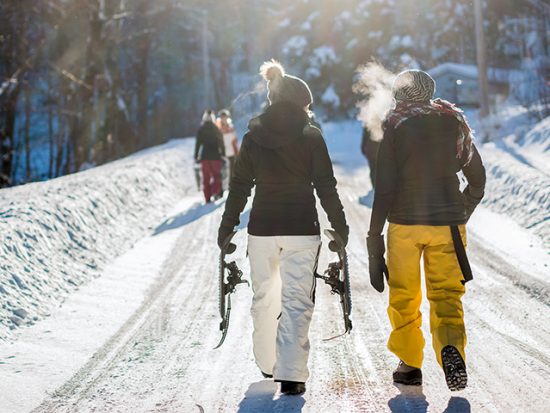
[(454, 368), (293, 387), (405, 374)]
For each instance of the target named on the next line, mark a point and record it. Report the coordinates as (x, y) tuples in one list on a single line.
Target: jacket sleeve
[(324, 183), (221, 144), (386, 184), (198, 144), (474, 172), (239, 188)]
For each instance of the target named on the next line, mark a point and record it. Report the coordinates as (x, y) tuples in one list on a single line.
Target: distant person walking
[(209, 150), (286, 159), (369, 148), (229, 139), (426, 142)]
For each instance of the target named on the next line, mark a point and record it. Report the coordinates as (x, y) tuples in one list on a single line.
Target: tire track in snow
[(99, 367), (536, 288)]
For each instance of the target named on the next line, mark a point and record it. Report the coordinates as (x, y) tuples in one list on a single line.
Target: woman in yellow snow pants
[(426, 143), (444, 287)]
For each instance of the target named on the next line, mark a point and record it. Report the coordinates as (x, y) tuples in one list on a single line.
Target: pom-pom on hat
[(413, 85), (282, 87)]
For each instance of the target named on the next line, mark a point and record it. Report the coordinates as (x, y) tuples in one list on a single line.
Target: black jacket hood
[(281, 123)]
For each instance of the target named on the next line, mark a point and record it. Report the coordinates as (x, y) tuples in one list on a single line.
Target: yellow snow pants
[(406, 245)]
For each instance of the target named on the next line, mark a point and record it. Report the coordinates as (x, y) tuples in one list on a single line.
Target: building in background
[(459, 83)]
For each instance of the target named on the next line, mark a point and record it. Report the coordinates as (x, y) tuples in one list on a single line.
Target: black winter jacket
[(209, 144), (416, 177), (285, 158)]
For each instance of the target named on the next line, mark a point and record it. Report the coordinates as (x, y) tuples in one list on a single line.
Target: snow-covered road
[(156, 352), (140, 338)]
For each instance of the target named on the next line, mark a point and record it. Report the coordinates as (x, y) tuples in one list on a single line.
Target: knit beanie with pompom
[(413, 85), (284, 88)]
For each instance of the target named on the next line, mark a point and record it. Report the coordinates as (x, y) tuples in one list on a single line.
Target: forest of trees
[(83, 82)]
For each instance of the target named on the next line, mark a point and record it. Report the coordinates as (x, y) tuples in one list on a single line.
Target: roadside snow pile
[(57, 235), (536, 146), (519, 134), (518, 169), (517, 190)]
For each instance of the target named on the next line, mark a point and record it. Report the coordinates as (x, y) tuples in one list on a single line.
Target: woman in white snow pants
[(282, 269), (285, 158)]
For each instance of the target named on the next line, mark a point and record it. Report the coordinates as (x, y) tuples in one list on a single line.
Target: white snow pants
[(283, 282)]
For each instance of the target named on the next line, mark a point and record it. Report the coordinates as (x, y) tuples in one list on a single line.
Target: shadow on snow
[(197, 211), (412, 400), (458, 405), (367, 200), (244, 218), (260, 397)]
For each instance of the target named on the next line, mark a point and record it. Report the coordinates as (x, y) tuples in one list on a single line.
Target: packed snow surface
[(140, 337)]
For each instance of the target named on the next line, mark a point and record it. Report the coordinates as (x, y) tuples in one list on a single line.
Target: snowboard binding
[(336, 276), (227, 284)]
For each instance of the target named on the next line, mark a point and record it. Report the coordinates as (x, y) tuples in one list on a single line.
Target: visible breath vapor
[(374, 84), (245, 105), (259, 89)]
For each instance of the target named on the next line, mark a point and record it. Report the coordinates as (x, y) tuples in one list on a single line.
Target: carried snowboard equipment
[(227, 285), (198, 175), (337, 277)]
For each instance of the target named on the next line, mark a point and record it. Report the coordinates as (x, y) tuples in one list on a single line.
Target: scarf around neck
[(406, 109)]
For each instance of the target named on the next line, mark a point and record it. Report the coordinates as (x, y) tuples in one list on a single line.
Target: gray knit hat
[(414, 85), (282, 87)]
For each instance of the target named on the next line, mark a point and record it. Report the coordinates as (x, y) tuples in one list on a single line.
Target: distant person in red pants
[(209, 151)]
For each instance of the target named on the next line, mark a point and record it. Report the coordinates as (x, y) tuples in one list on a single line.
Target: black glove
[(223, 233), (344, 234), (377, 264)]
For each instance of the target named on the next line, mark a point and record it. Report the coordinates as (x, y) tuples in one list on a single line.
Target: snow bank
[(518, 168), (536, 146), (517, 190), (515, 131), (57, 235)]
